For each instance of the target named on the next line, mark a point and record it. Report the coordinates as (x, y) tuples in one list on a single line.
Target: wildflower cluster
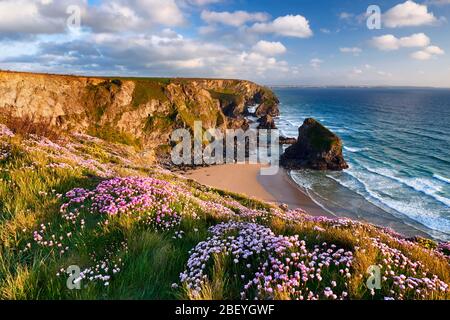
[(5, 132), (408, 279), (5, 151), (45, 237), (271, 265), (103, 268), (63, 156), (444, 248), (149, 200), (302, 274)]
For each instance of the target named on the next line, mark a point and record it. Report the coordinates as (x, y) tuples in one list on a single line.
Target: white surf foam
[(415, 210), (423, 185), (441, 178), (355, 150)]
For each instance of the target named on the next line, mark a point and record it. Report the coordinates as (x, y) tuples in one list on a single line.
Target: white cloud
[(421, 55), (34, 17), (235, 19), (316, 63), (354, 50), (269, 48), (134, 15), (202, 2), (255, 62), (346, 15), (389, 42), (415, 40), (408, 14), (368, 71), (165, 53), (427, 53), (434, 50), (289, 26), (49, 17)]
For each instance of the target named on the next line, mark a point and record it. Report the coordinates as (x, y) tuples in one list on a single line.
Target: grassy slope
[(135, 257)]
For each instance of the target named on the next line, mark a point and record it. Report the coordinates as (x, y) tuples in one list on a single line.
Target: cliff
[(144, 109), (316, 148)]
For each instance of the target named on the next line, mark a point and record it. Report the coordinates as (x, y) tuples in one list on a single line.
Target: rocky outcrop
[(268, 106), (147, 109), (317, 148), (267, 122), (286, 140)]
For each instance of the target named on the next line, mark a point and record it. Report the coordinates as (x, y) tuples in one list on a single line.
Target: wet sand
[(246, 179), (281, 189)]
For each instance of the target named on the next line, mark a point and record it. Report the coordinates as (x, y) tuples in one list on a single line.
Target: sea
[(397, 144)]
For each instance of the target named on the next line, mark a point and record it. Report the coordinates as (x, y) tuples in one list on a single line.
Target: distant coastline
[(276, 86)]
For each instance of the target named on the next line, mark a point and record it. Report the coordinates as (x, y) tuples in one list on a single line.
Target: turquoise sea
[(397, 143)]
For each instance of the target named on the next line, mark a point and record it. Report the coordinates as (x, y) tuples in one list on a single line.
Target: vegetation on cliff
[(136, 111), (139, 232)]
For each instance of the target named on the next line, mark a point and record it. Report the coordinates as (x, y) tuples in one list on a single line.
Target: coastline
[(246, 179), (281, 189)]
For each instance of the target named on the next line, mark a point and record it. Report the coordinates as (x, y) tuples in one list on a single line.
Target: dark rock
[(266, 122), (285, 140), (317, 148)]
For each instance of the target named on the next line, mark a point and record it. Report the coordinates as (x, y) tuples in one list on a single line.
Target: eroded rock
[(317, 148)]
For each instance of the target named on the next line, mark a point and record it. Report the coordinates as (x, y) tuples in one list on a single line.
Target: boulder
[(317, 148)]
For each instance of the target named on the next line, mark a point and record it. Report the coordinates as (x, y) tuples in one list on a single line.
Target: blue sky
[(288, 42)]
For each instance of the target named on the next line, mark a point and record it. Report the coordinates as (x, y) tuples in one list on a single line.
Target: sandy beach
[(246, 179)]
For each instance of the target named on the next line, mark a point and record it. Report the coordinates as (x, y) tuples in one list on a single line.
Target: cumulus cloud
[(289, 26), (235, 19), (389, 42), (35, 17), (165, 53), (269, 48), (50, 17), (133, 15), (202, 2), (408, 14), (427, 53)]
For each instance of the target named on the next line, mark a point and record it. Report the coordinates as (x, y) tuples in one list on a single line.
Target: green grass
[(151, 261), (146, 90), (112, 135)]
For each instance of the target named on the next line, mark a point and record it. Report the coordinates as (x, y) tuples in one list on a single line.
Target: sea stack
[(317, 148)]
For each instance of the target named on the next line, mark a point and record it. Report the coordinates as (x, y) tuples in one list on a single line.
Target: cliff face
[(317, 148), (146, 109)]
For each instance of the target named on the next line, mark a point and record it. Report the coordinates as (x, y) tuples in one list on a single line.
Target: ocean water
[(397, 143)]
